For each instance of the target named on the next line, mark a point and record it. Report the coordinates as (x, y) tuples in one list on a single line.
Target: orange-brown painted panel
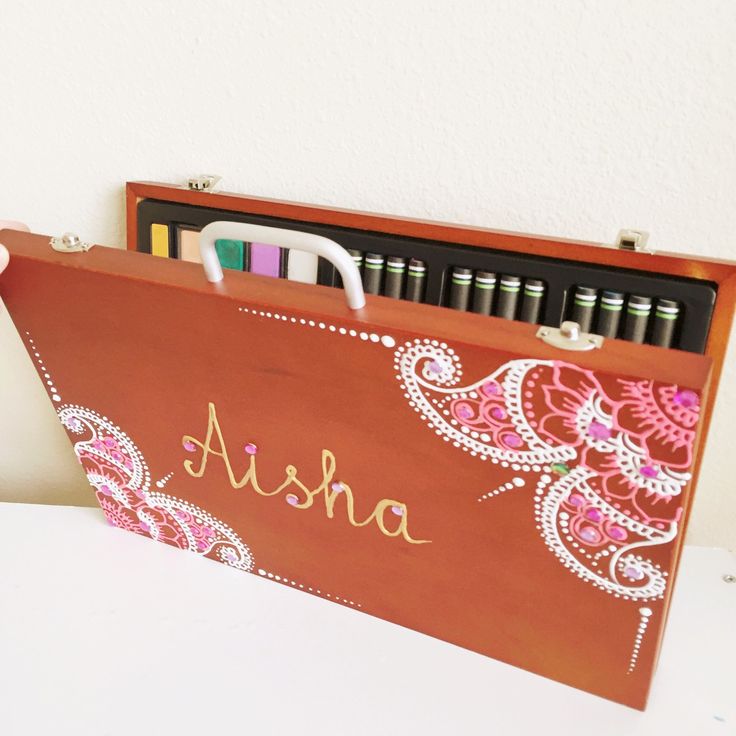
[(453, 475)]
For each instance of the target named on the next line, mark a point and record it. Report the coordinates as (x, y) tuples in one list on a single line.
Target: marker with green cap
[(609, 314), (460, 282), (373, 273), (583, 307), (395, 271), (415, 280), (484, 290), (637, 318), (531, 304), (665, 320), (508, 296), (357, 257)]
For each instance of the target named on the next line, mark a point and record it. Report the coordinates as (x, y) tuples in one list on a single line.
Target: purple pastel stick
[(265, 259)]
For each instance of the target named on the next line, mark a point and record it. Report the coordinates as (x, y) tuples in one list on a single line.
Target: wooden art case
[(449, 472)]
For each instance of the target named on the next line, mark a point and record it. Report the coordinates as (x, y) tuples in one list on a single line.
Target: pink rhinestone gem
[(190, 446), (599, 431), (435, 367), (251, 449), (511, 439), (397, 510), (144, 526), (105, 490), (590, 535), (336, 486), (593, 515), (617, 533), (632, 573), (576, 500), (649, 471), (686, 398), (464, 411), (498, 413), (491, 388), (291, 499)]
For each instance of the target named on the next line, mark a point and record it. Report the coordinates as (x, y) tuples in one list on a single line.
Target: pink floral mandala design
[(611, 461), (117, 471)]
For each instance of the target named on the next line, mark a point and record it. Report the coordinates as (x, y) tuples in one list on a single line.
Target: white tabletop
[(103, 632)]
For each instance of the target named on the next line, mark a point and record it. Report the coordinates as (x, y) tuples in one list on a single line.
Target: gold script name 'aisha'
[(396, 509)]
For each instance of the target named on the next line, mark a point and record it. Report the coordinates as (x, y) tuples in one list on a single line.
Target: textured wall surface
[(566, 118)]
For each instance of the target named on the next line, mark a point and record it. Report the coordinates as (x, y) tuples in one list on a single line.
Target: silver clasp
[(203, 182), (635, 240), (70, 243), (569, 337)]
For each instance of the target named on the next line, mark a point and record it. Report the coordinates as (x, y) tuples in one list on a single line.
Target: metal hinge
[(569, 337), (70, 243), (204, 182), (634, 240)]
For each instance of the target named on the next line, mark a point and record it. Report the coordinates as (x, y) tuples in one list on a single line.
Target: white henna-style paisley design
[(117, 471), (608, 457)]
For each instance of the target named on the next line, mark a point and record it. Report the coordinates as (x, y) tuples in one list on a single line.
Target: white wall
[(565, 118)]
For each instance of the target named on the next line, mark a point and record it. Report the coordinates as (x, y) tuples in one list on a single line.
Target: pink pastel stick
[(265, 259)]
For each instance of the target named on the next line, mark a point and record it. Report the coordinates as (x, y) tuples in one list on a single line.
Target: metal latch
[(569, 337), (203, 182), (635, 240), (70, 243)]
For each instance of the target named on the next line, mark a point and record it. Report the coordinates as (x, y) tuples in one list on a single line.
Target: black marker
[(583, 307), (531, 304), (609, 316), (508, 296), (373, 273), (637, 317), (460, 288), (395, 270), (665, 321), (357, 257), (415, 280), (484, 290)]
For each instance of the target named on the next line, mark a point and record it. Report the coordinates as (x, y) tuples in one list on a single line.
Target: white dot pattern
[(301, 586), (552, 523), (386, 340), (48, 381), (510, 485), (430, 371), (644, 615), (161, 483)]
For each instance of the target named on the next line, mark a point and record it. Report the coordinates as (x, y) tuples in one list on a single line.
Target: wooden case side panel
[(675, 264)]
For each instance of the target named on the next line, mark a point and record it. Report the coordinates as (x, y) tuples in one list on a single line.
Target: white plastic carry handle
[(277, 236)]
